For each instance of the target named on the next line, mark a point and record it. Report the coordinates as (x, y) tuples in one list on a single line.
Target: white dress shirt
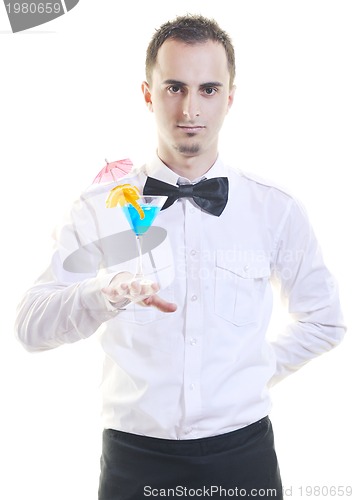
[(206, 368)]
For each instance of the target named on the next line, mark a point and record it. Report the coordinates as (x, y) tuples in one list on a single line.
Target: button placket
[(193, 343)]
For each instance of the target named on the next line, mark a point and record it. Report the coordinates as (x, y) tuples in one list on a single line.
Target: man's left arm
[(311, 293)]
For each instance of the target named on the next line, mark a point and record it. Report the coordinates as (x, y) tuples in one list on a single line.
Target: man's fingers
[(135, 290), (160, 304), (110, 292), (140, 291)]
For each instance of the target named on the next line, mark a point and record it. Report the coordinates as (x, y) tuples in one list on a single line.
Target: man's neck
[(191, 167)]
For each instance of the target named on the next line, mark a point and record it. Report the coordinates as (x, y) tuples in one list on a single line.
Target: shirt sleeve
[(66, 303), (310, 293)]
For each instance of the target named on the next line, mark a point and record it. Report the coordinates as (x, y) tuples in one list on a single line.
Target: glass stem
[(139, 269)]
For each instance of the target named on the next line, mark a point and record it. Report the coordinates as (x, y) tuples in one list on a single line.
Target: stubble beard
[(188, 149)]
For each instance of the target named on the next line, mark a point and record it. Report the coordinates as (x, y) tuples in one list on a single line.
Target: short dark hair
[(190, 29)]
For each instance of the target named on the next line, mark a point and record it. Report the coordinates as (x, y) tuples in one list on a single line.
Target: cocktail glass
[(150, 206)]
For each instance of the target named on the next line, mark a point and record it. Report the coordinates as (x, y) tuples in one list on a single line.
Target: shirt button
[(193, 253), (192, 387), (194, 298), (193, 341), (246, 268)]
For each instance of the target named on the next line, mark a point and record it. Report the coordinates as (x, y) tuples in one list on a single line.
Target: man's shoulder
[(256, 181)]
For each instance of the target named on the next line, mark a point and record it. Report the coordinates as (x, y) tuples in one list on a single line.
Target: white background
[(70, 97)]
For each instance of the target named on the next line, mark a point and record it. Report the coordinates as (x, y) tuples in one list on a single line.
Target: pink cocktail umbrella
[(113, 171)]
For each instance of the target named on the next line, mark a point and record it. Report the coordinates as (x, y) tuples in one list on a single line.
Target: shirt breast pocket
[(146, 328), (239, 288)]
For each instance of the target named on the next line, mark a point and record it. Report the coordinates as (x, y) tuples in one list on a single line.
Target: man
[(187, 369)]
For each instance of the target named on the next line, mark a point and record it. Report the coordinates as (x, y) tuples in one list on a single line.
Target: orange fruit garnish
[(123, 194)]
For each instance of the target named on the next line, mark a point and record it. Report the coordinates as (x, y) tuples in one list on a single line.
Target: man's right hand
[(123, 286)]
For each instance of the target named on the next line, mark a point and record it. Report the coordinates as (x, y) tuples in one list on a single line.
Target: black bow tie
[(210, 194)]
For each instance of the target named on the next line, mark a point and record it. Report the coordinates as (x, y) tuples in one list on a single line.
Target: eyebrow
[(182, 84)]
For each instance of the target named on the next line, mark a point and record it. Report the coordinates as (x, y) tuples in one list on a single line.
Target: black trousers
[(241, 463)]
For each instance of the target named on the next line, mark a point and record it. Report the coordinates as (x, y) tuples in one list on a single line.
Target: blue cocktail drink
[(140, 212), (138, 225)]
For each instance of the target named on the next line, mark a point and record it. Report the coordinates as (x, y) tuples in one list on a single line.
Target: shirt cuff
[(94, 300)]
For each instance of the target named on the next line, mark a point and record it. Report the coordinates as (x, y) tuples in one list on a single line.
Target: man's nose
[(191, 106)]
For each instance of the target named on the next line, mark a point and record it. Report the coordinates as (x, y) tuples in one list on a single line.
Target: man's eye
[(210, 90), (174, 89)]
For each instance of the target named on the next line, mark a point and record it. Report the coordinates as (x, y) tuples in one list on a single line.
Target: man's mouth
[(191, 129)]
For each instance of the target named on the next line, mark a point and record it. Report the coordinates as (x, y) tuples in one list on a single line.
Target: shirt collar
[(158, 169)]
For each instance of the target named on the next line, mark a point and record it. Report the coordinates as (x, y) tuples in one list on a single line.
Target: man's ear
[(147, 95), (231, 96)]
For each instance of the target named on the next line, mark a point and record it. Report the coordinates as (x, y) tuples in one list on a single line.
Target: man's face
[(190, 95)]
